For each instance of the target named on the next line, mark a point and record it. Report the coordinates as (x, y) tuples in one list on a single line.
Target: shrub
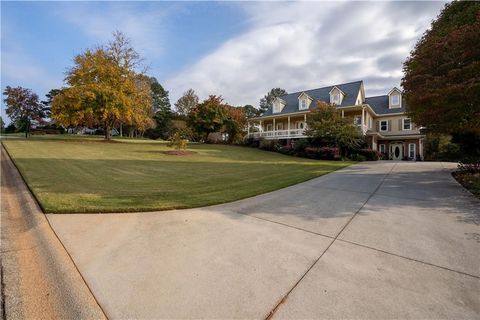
[(369, 154), (469, 166), (358, 157), (299, 146), (323, 153), (10, 128), (177, 142), (269, 145), (287, 149)]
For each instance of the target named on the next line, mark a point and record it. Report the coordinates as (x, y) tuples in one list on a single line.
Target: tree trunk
[(107, 131), (121, 130)]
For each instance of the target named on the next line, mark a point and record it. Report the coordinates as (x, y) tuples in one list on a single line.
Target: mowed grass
[(72, 174)]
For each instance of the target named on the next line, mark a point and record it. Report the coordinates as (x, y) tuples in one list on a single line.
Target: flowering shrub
[(323, 153)]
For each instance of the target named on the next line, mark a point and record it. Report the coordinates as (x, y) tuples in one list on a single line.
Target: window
[(407, 124), (384, 125), (357, 120), (382, 148), (279, 126), (369, 122), (269, 127), (336, 98), (303, 104), (411, 150), (276, 107), (395, 100)]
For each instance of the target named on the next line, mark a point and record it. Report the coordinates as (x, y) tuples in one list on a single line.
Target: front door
[(396, 151)]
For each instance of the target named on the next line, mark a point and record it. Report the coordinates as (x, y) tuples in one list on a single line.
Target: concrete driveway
[(375, 240)]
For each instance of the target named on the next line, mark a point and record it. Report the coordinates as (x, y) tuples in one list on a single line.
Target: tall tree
[(163, 112), (122, 52), (23, 107), (235, 123), (103, 91), (251, 111), (267, 100), (47, 103), (442, 74), (327, 127), (208, 116), (187, 102), (2, 125)]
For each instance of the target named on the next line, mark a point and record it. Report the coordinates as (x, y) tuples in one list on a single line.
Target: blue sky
[(238, 50)]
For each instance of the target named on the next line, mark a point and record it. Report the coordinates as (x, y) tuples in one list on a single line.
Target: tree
[(163, 112), (207, 117), (23, 107), (250, 111), (122, 52), (48, 102), (2, 125), (187, 102), (235, 123), (103, 89), (327, 128), (266, 102), (442, 74)]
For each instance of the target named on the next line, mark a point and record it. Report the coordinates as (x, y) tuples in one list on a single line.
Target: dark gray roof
[(379, 104), (321, 94)]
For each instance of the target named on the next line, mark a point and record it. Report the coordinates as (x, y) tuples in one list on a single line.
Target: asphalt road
[(375, 240)]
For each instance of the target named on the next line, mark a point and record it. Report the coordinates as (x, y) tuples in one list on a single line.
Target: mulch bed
[(179, 152), (470, 181)]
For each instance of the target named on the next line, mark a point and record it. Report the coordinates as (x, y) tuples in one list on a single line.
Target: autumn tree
[(328, 128), (47, 103), (235, 123), (267, 101), (442, 74), (104, 89), (23, 107), (207, 117), (186, 102)]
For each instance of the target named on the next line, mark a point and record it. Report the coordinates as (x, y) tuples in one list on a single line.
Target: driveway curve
[(374, 240)]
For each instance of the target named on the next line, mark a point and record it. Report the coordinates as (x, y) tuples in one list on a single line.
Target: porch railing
[(279, 134)]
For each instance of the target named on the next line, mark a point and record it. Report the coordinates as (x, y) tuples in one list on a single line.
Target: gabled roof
[(350, 91), (394, 89), (335, 87), (304, 94), (380, 105)]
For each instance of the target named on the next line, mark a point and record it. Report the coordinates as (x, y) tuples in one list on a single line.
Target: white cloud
[(305, 45)]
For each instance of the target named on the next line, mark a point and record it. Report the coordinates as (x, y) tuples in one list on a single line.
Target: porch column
[(343, 114), (363, 118), (261, 126), (288, 127), (304, 121), (274, 128)]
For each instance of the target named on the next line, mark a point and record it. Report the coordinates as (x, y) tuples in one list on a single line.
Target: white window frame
[(276, 107), (382, 146), (414, 150), (409, 125), (303, 104), (336, 98), (270, 125), (298, 124), (279, 126), (380, 126), (397, 97)]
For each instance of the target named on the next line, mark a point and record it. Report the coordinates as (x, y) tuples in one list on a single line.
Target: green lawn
[(72, 174)]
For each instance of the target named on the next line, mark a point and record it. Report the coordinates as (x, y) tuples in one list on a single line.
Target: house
[(382, 119)]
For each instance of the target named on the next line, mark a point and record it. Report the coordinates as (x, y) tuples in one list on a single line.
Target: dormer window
[(304, 101), (336, 96), (278, 105), (395, 98)]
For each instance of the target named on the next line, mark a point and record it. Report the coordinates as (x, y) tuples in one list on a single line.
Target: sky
[(239, 50)]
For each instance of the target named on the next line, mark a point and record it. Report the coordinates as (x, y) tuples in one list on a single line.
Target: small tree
[(207, 117), (267, 101), (2, 125), (235, 123), (327, 128), (23, 107), (187, 102)]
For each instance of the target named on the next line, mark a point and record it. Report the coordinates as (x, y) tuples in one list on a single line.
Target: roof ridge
[(380, 95), (333, 85)]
